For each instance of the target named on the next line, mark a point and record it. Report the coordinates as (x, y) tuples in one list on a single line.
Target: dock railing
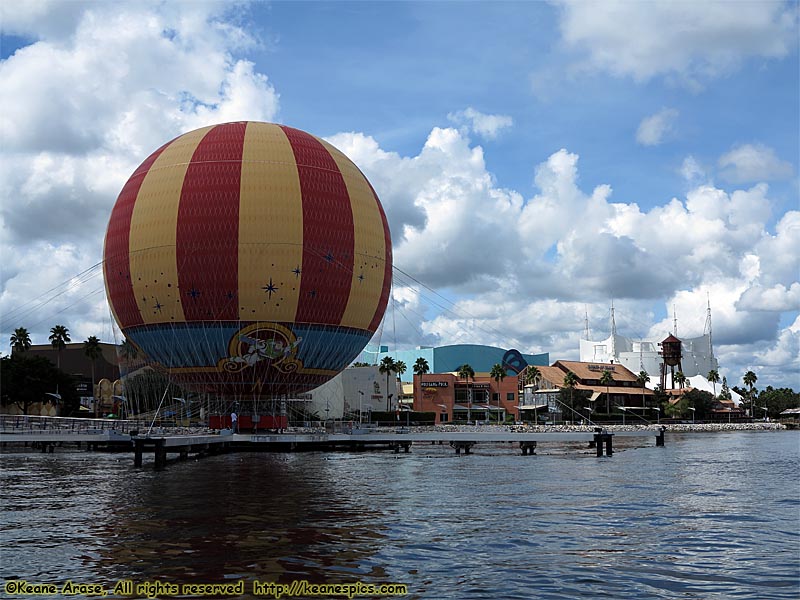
[(11, 424)]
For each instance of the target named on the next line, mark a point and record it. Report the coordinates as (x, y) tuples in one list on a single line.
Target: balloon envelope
[(248, 258)]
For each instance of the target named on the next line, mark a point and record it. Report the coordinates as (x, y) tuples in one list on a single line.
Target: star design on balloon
[(297, 271), (270, 288), (329, 257), (360, 277), (194, 293), (158, 306)]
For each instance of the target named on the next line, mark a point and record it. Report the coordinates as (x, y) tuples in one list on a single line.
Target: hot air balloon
[(248, 259)]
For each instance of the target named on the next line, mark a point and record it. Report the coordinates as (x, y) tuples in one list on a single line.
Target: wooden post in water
[(161, 455), (660, 436), (598, 443), (137, 456)]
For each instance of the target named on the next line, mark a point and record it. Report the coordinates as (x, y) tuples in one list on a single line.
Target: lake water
[(707, 516)]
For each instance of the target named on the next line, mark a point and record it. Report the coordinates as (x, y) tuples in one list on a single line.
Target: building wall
[(353, 388), (438, 393)]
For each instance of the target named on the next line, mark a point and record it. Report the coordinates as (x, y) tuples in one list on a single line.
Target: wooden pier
[(125, 437)]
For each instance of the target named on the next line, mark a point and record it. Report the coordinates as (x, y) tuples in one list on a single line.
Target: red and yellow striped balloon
[(248, 258)]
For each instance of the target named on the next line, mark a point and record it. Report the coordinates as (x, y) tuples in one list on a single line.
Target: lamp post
[(444, 406), (360, 398), (764, 408), (693, 411), (624, 410), (658, 410), (588, 410)]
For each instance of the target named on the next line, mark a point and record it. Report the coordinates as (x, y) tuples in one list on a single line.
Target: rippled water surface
[(708, 516)]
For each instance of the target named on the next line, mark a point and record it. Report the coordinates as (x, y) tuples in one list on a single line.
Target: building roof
[(588, 370), (554, 376)]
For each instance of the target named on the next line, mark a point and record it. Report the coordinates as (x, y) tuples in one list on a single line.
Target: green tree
[(570, 381), (678, 409), (466, 373), (400, 368), (532, 374), (21, 340), (387, 366), (92, 350), (59, 338), (749, 380), (421, 366), (701, 401), (643, 378), (607, 379), (29, 379), (680, 379), (725, 392), (778, 400), (498, 373), (713, 378)]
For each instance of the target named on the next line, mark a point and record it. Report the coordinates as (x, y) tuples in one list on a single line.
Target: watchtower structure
[(670, 358)]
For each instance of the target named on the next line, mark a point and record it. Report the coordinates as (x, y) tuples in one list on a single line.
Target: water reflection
[(711, 516)]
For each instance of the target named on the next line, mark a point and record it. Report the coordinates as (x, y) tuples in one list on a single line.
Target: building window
[(509, 396), (496, 397), (443, 417)]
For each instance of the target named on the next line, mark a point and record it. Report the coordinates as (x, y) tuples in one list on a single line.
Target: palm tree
[(400, 368), (680, 379), (91, 348), (570, 381), (21, 340), (749, 380), (498, 373), (466, 373), (713, 377), (421, 367), (128, 349), (607, 379), (387, 366), (532, 374), (59, 338), (642, 379)]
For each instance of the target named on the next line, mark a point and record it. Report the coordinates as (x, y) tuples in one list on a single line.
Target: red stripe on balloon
[(117, 265), (387, 269), (207, 236), (328, 236)]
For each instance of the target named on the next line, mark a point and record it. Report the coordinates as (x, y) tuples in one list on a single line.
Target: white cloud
[(692, 171), (487, 126), (777, 298), (692, 41), (100, 88), (753, 162), (652, 129)]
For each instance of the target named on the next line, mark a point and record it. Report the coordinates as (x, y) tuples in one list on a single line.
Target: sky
[(537, 161)]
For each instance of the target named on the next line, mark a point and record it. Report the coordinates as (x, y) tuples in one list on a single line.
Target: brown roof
[(555, 376), (588, 370)]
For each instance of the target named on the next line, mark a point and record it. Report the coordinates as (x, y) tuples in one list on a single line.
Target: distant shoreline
[(670, 427)]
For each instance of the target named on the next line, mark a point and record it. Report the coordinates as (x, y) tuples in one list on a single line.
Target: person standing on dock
[(234, 423)]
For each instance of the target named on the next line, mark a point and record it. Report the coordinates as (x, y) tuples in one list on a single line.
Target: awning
[(532, 406)]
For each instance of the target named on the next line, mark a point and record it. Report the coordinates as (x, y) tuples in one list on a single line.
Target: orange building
[(454, 399)]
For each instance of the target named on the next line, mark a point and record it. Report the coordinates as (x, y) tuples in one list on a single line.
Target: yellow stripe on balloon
[(270, 227), (153, 232), (369, 247)]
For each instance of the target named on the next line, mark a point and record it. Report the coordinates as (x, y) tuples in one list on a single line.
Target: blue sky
[(535, 159)]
